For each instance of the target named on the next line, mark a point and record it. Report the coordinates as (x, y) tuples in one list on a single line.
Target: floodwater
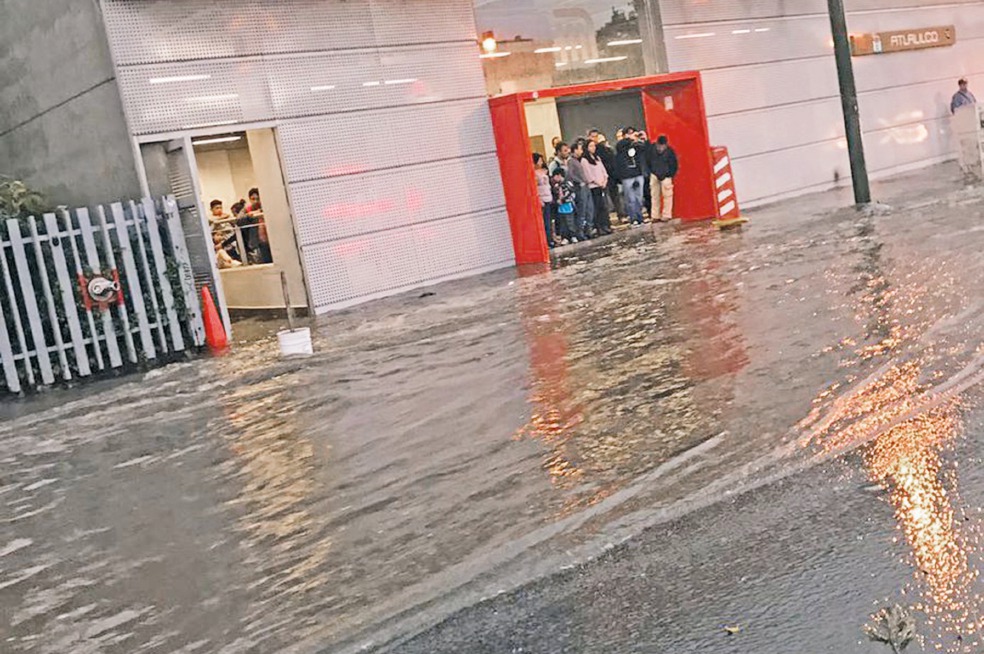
[(452, 443)]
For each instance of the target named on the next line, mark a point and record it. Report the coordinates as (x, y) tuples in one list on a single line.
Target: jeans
[(547, 209), (633, 189), (585, 211)]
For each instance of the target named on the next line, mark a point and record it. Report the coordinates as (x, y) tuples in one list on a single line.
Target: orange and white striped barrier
[(728, 214)]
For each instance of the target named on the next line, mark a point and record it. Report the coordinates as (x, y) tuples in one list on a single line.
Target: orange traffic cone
[(215, 335)]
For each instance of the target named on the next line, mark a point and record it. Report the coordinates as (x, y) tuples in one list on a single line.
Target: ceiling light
[(700, 35), (555, 48), (741, 31), (220, 139), (494, 55), (326, 87), (408, 80), (612, 44), (179, 78)]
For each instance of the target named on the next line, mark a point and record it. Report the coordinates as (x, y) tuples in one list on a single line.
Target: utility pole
[(849, 102)]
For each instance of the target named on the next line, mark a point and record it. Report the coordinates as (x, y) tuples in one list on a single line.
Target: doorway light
[(217, 123), (179, 78), (624, 42), (220, 139)]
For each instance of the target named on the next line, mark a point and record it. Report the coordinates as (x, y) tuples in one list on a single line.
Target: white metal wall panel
[(341, 207), (730, 90), (791, 171), (376, 264), (324, 147), (177, 30), (383, 125), (167, 97), (744, 134), (770, 85)]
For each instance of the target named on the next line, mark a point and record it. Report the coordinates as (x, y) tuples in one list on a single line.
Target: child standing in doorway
[(564, 196)]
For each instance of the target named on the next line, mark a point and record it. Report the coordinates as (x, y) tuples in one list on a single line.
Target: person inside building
[(562, 154), (584, 207), (963, 97), (663, 167), (598, 184), (546, 196), (219, 220), (564, 198), (630, 168), (253, 226)]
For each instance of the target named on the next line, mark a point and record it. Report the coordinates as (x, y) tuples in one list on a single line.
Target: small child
[(564, 194)]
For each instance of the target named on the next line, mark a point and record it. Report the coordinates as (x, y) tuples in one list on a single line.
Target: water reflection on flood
[(632, 373), (906, 416)]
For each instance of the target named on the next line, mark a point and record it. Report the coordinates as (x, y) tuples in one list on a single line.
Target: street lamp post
[(849, 102)]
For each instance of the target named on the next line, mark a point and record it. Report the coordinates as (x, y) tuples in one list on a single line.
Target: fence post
[(69, 303), (49, 300), (157, 250), (69, 232), (180, 250), (92, 255), (132, 279), (30, 304), (131, 349)]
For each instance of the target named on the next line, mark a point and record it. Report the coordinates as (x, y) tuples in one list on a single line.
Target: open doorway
[(236, 215), (670, 105)]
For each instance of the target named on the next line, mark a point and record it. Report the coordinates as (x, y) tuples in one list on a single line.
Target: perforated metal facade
[(771, 92), (382, 119)]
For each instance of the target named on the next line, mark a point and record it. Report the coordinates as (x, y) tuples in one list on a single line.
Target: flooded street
[(778, 427)]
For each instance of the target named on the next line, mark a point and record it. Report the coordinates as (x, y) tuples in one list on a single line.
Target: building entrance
[(672, 105), (235, 212)]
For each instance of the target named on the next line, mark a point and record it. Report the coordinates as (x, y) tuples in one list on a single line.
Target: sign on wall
[(903, 40)]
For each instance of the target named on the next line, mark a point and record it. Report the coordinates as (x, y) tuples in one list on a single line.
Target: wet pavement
[(673, 431)]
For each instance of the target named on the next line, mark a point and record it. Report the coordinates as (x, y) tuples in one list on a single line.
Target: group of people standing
[(587, 181)]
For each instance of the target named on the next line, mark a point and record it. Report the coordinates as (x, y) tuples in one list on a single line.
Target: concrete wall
[(62, 128)]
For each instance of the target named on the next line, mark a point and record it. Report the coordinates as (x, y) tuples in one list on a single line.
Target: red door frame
[(673, 105)]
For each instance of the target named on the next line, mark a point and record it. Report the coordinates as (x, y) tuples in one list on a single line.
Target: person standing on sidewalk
[(598, 183), (963, 97), (607, 156), (546, 196), (663, 166), (630, 169), (578, 176)]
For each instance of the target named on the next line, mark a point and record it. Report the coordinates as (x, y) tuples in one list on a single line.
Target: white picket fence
[(48, 330)]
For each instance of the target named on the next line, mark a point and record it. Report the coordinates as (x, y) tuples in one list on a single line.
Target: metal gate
[(85, 292)]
